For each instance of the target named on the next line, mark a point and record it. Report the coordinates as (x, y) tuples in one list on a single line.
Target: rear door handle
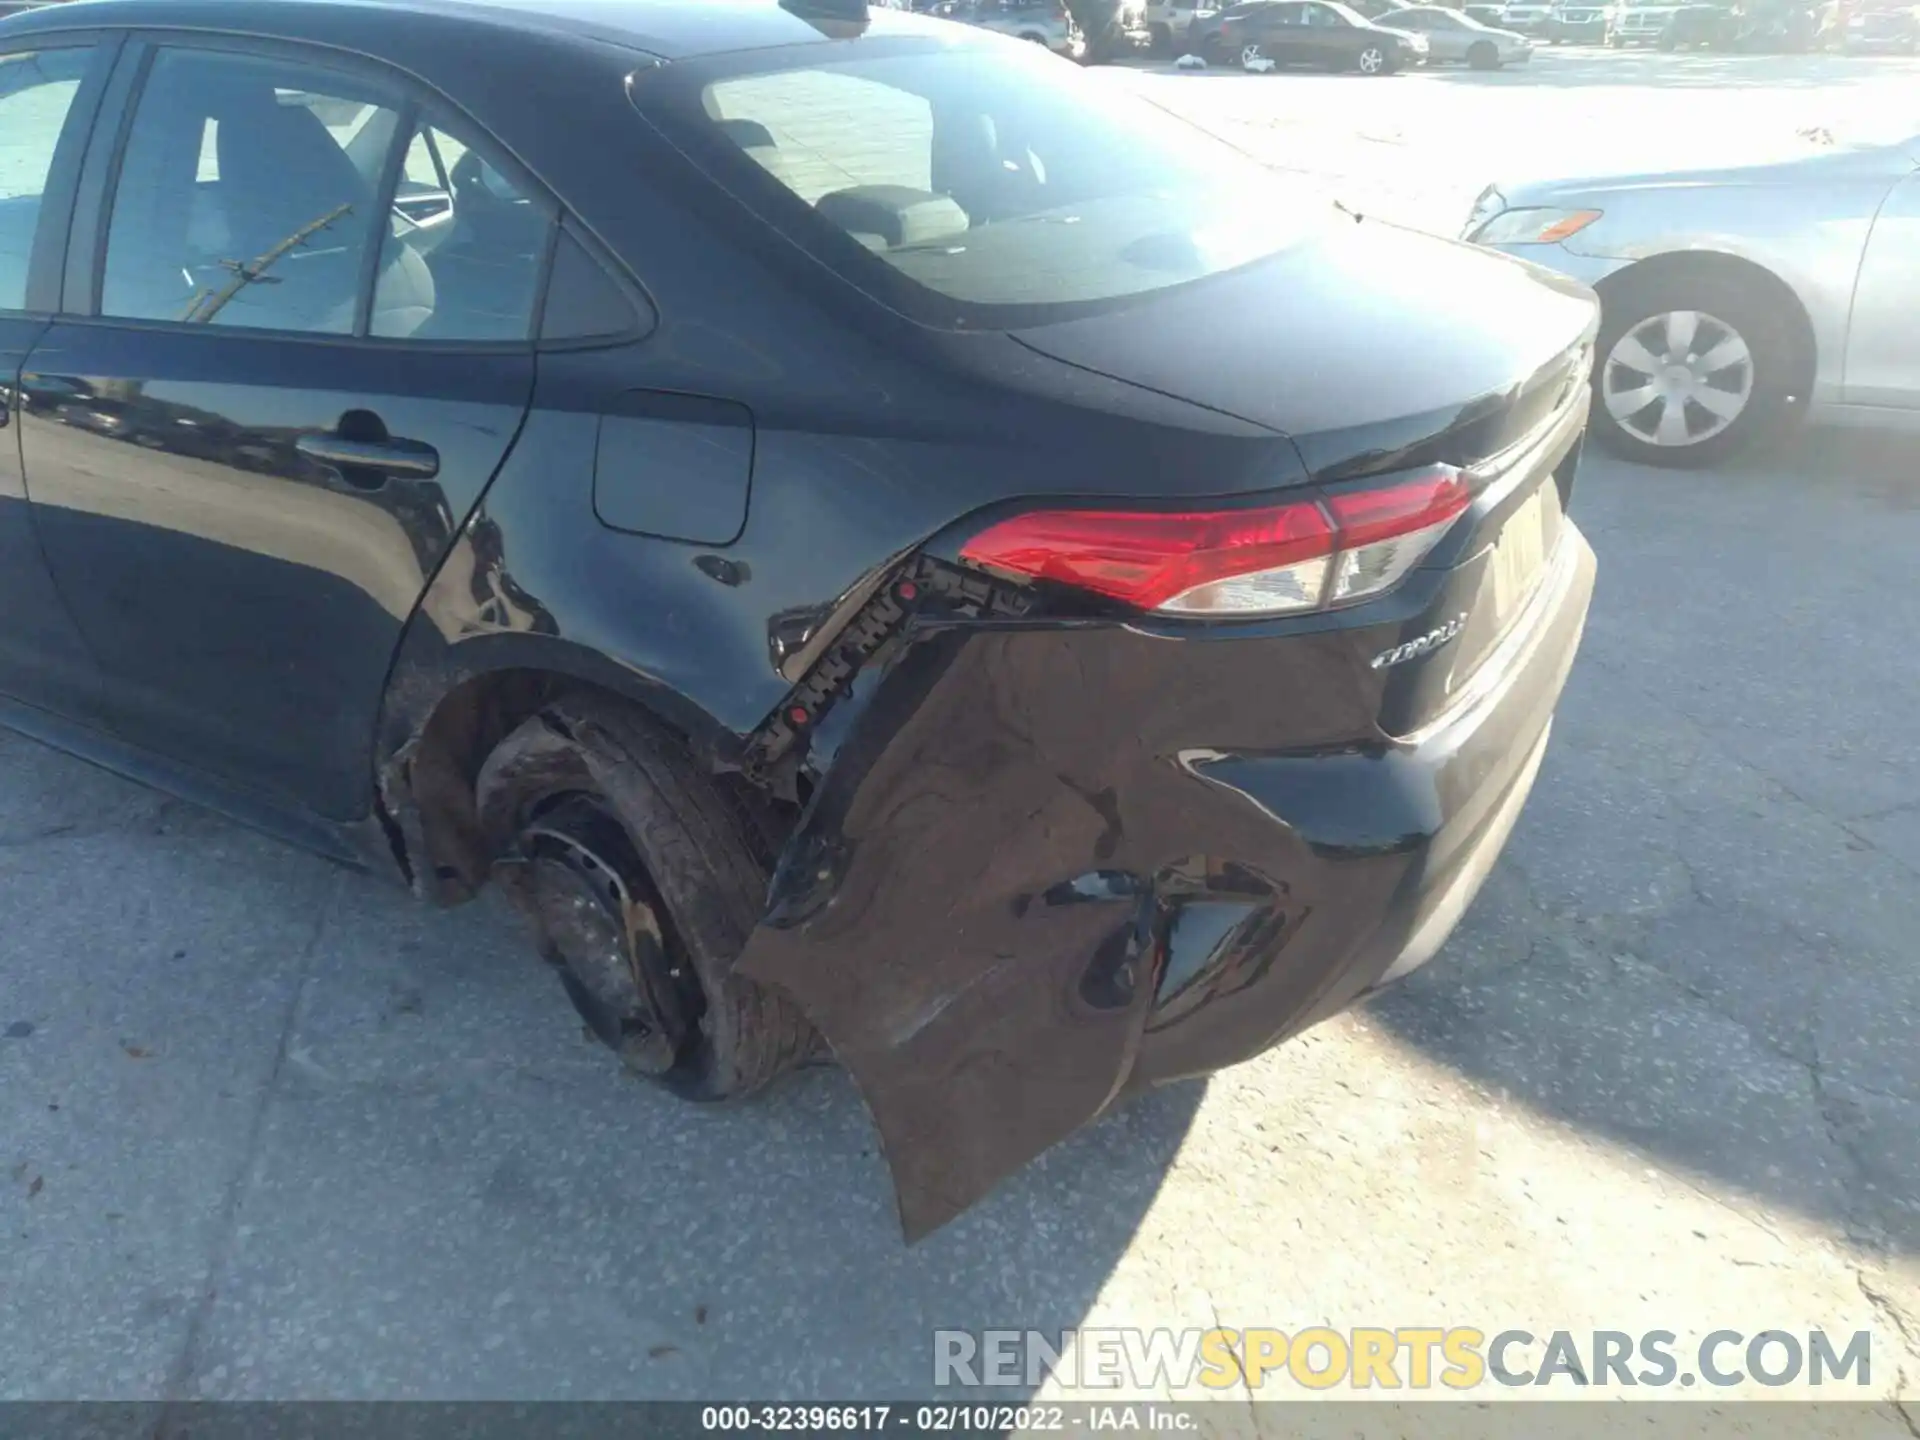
[(413, 459)]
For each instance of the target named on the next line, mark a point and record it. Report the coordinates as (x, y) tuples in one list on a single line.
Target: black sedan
[(1322, 34), (887, 549), (1710, 27)]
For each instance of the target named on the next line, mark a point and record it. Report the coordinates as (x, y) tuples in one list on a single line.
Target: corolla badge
[(1423, 645)]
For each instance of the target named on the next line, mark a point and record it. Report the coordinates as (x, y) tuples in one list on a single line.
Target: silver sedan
[(1738, 296), (1453, 36)]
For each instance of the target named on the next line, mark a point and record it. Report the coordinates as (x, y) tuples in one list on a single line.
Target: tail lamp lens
[(1276, 560)]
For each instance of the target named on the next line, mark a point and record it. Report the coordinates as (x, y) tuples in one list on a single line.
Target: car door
[(1280, 32), (1447, 38), (1883, 342), (49, 90), (1326, 37), (1431, 23), (302, 301)]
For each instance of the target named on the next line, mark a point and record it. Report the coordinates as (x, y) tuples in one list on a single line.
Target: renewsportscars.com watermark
[(1402, 1358)]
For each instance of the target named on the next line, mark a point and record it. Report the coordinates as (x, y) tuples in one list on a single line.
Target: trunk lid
[(1371, 346)]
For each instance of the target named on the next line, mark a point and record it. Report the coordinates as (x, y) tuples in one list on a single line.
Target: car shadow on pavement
[(1700, 943), (277, 1130)]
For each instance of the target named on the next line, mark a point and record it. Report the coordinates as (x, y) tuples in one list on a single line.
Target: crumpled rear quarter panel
[(971, 911)]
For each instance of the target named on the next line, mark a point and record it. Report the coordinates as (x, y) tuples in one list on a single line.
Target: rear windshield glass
[(981, 186)]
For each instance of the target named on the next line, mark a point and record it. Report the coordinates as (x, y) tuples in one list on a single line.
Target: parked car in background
[(1454, 37), (1638, 22), (1578, 24), (1169, 23), (853, 613), (1701, 27), (1778, 27), (1207, 36), (1381, 10), (1880, 32), (1323, 35), (1040, 22), (1739, 295), (1486, 14), (1527, 17)]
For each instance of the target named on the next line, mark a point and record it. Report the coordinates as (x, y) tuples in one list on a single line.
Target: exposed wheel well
[(427, 788), (1680, 265)]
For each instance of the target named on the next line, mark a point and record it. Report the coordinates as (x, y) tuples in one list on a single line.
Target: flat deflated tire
[(600, 812)]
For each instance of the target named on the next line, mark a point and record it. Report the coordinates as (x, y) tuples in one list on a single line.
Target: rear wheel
[(1252, 59), (1373, 60), (644, 878), (1690, 368), (1482, 56)]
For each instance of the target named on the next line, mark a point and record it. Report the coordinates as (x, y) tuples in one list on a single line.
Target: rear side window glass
[(246, 195), (464, 248), (36, 96), (583, 301)]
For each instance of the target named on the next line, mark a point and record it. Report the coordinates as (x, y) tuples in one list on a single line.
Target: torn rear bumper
[(1051, 865)]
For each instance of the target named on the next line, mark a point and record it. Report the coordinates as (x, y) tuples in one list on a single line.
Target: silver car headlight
[(1534, 225)]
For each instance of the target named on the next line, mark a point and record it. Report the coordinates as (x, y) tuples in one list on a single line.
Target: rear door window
[(246, 195), (37, 90), (272, 194), (465, 245)]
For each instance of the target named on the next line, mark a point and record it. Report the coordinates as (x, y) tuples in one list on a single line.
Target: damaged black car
[(890, 549)]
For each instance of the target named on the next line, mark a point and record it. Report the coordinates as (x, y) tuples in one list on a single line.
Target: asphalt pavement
[(270, 1129)]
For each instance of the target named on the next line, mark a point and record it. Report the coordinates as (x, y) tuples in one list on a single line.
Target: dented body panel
[(1039, 852), (1049, 865)]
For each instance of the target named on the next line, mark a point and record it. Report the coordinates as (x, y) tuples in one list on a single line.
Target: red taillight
[(1275, 560), (1385, 532)]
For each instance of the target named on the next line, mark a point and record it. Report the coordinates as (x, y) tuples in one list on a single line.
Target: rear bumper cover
[(1411, 831), (1052, 865)]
